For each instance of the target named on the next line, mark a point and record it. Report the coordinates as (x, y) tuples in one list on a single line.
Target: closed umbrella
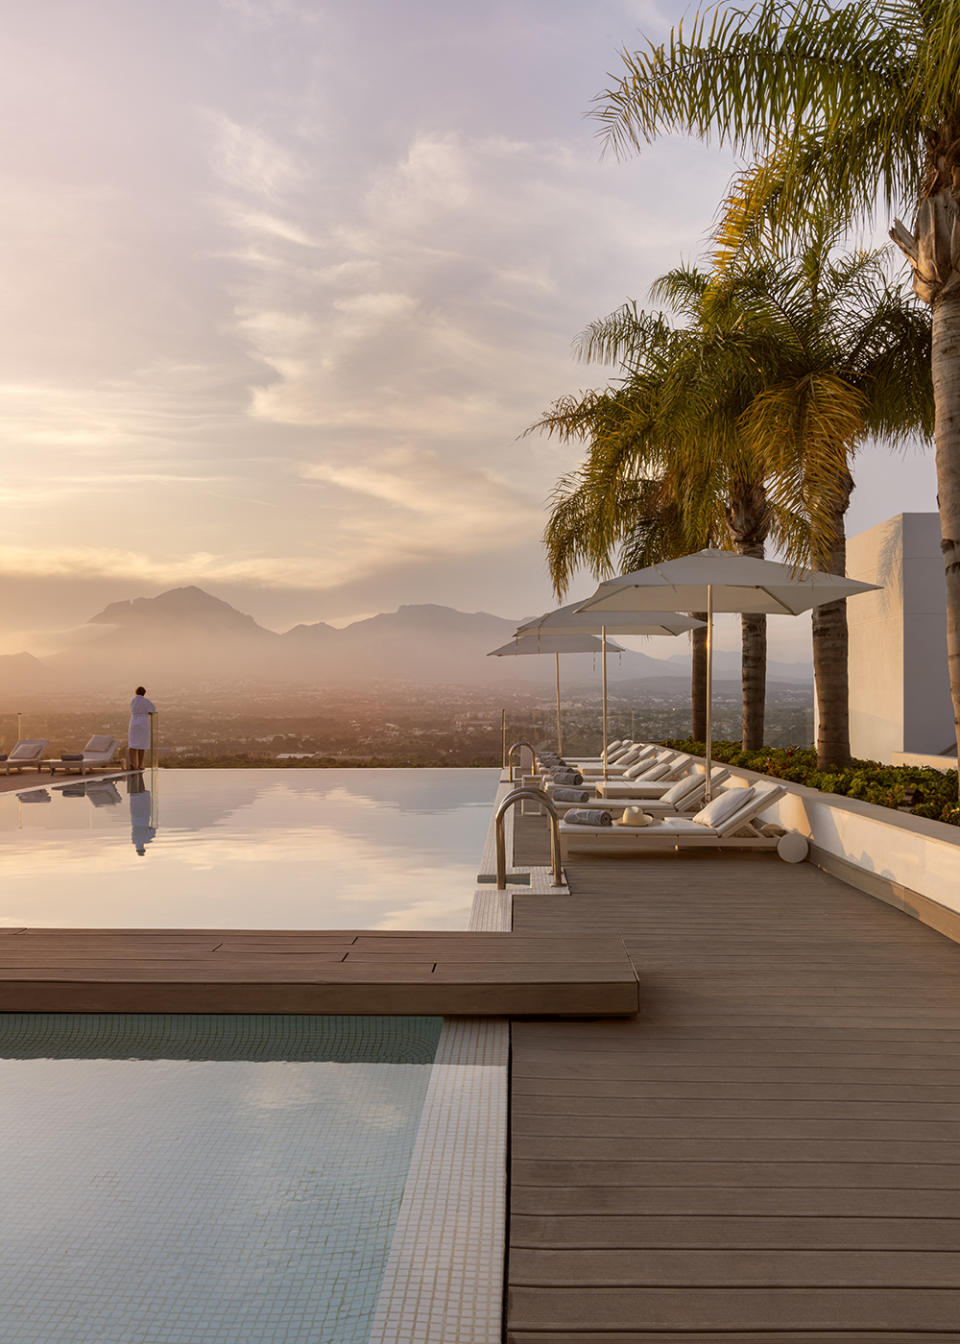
[(717, 580), (555, 644), (572, 620)]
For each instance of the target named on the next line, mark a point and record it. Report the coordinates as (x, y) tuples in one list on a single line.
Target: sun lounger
[(614, 754), (28, 753), (641, 763), (98, 752), (726, 822), (684, 795), (651, 784)]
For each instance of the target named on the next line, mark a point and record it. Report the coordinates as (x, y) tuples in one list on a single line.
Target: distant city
[(393, 725)]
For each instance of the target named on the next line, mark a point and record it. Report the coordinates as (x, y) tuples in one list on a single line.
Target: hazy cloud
[(267, 333)]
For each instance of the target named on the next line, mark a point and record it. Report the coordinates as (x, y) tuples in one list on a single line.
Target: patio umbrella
[(719, 581), (555, 644), (572, 620)]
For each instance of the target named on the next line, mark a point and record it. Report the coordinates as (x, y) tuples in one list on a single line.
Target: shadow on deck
[(771, 1151)]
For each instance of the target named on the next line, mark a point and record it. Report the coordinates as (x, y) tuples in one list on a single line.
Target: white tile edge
[(443, 1281)]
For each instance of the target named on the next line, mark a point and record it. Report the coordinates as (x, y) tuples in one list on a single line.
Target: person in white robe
[(138, 735)]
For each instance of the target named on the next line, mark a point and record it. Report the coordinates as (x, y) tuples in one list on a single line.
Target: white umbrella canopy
[(734, 583), (571, 620), (555, 644), (715, 580)]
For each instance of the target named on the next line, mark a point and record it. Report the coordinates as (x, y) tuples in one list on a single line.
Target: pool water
[(175, 1179), (280, 849)]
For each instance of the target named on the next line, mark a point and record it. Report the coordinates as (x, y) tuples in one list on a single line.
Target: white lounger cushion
[(649, 775), (686, 790), (100, 742), (722, 808), (677, 792), (28, 749)]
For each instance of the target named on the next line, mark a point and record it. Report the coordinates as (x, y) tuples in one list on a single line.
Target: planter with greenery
[(919, 790)]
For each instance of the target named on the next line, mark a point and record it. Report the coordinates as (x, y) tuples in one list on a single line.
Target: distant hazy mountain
[(22, 674), (181, 610), (187, 636), (726, 664)]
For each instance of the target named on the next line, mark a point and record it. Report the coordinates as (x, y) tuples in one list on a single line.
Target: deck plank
[(337, 971), (770, 1150)]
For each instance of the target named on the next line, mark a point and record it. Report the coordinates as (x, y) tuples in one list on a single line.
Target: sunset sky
[(283, 282)]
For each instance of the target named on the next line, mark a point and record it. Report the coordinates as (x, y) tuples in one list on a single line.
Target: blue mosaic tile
[(161, 1188)]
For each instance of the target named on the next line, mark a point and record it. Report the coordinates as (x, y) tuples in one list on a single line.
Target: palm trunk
[(748, 522), (754, 673), (946, 391), (698, 678), (933, 250), (830, 671)]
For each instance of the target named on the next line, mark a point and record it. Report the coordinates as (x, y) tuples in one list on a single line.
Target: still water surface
[(281, 849)]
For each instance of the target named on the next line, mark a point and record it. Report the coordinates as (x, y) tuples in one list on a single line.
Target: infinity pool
[(177, 1179), (281, 849)]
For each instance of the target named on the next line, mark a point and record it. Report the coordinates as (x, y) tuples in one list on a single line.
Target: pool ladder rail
[(517, 796), (519, 746)]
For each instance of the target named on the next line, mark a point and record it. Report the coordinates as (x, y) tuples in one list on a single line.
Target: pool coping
[(444, 1278)]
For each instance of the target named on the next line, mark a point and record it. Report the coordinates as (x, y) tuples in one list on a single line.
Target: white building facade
[(900, 710)]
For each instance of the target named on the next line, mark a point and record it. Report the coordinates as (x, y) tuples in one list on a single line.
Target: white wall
[(912, 852), (899, 689)]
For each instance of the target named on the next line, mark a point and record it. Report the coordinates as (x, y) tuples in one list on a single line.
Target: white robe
[(138, 734)]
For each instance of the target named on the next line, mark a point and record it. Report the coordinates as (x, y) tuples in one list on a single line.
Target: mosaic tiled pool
[(202, 1180), (281, 849)]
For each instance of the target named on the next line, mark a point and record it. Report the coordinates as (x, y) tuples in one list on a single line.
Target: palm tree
[(841, 107), (840, 356), (605, 508), (648, 494), (786, 367)]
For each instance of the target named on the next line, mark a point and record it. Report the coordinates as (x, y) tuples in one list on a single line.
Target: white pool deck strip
[(444, 1279)]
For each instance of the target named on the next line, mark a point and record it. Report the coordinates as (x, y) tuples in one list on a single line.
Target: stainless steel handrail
[(517, 796), (532, 751)]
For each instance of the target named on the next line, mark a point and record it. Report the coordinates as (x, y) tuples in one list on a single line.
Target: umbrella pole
[(603, 660), (708, 792), (559, 725)]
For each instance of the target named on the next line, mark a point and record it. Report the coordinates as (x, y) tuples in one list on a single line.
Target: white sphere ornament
[(793, 847)]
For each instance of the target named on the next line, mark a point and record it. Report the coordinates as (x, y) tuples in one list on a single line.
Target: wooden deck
[(771, 1150), (238, 971)]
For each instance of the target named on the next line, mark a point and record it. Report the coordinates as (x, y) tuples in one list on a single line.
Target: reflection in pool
[(246, 849)]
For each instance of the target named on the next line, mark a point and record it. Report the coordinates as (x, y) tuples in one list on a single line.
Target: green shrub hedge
[(910, 788)]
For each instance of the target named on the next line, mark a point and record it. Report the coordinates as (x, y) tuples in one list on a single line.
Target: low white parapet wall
[(919, 758), (893, 855)]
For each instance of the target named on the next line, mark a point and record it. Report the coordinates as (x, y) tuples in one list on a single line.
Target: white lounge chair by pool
[(683, 796), (615, 754), (28, 752), (640, 763), (689, 783), (729, 821), (650, 783), (98, 752)]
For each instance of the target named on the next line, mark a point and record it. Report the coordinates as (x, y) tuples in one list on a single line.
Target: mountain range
[(189, 637)]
